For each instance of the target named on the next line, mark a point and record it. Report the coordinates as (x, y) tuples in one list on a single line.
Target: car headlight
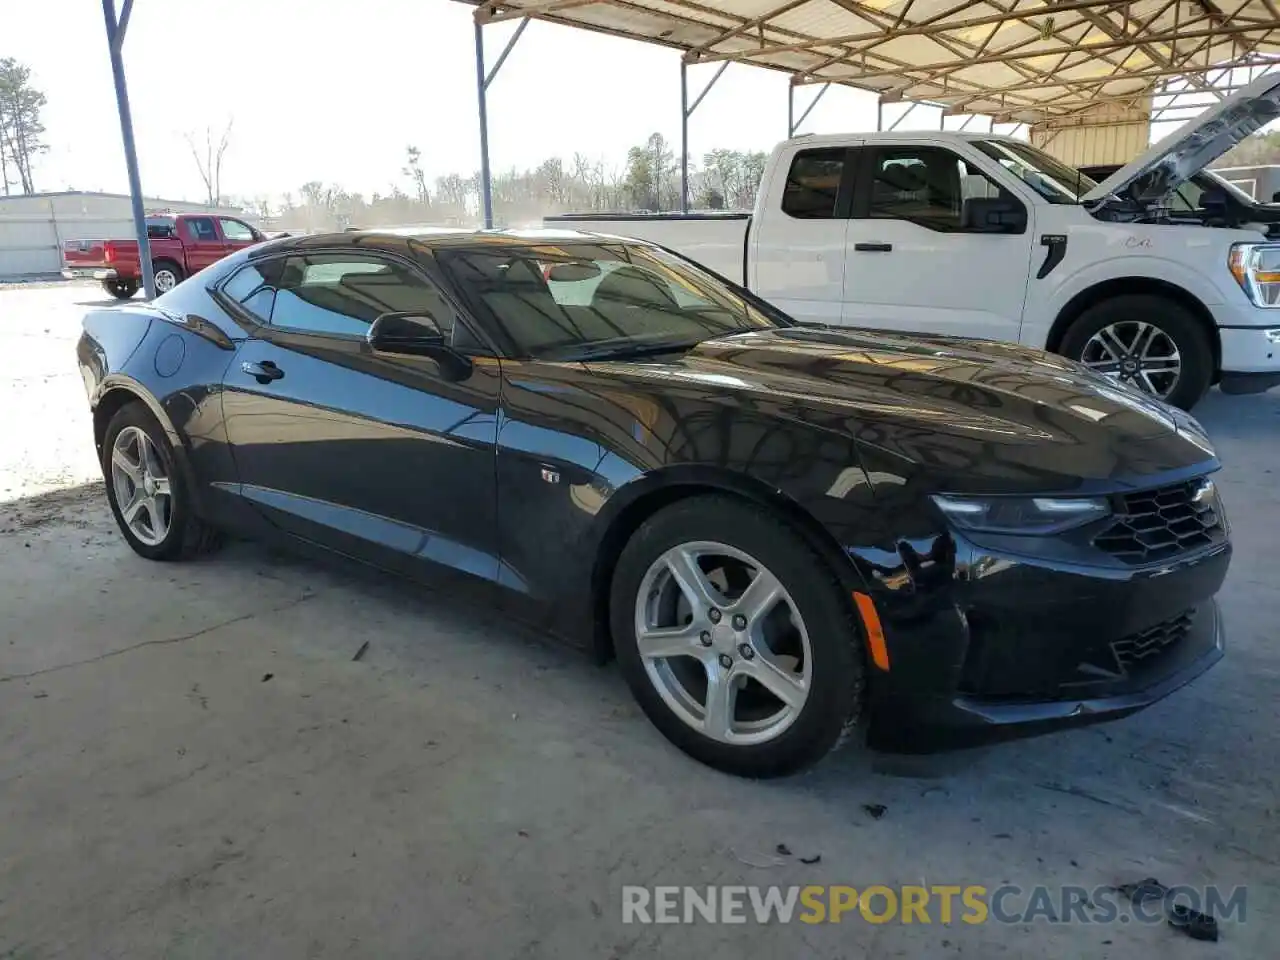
[(1256, 267), (1026, 516)]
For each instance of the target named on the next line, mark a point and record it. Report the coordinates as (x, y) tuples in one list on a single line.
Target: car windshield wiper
[(621, 351)]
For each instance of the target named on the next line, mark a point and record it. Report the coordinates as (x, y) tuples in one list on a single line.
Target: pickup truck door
[(202, 242), (797, 259), (912, 265)]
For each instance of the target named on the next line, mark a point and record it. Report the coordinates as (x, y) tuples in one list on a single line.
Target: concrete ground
[(191, 764)]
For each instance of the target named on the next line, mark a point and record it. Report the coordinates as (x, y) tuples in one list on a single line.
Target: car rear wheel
[(1150, 342), (120, 289), (148, 494), (168, 275), (736, 639)]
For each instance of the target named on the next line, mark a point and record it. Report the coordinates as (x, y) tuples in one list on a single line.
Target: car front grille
[(1132, 651), (1164, 523)]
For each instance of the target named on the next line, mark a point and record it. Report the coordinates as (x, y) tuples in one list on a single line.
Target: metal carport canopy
[(1016, 60)]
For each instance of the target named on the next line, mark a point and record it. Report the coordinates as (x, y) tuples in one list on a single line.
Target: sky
[(334, 90)]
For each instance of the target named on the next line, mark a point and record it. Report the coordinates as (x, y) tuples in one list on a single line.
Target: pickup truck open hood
[(1149, 180), (998, 416)]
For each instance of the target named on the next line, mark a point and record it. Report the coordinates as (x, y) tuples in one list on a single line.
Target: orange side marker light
[(875, 633)]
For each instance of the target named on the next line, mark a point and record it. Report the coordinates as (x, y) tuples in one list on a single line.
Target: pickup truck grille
[(1164, 523)]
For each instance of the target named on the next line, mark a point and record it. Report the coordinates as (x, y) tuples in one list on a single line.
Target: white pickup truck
[(984, 236)]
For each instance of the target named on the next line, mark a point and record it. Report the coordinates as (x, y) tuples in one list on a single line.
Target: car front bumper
[(1014, 647), (89, 273)]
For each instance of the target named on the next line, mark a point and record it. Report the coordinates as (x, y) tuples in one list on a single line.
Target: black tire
[(167, 265), (835, 701), (188, 535), (1169, 316), (120, 289)]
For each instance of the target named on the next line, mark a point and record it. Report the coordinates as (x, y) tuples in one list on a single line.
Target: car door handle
[(873, 247), (263, 372)]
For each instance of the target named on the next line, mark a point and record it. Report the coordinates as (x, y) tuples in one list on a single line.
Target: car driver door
[(382, 455)]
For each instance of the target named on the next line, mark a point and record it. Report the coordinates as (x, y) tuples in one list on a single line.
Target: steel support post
[(483, 80), (686, 111), (116, 28), (792, 127)]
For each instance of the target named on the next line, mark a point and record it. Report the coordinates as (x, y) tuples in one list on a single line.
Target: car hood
[(984, 412), (1149, 180)]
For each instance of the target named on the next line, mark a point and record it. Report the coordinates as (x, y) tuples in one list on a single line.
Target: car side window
[(202, 228), (253, 286), (926, 186), (342, 294), (812, 191), (235, 231)]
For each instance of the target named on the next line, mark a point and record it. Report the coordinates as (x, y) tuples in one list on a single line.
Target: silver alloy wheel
[(141, 486), (166, 280), (1137, 352), (723, 643)]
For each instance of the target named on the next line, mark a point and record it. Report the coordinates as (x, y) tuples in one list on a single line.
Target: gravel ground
[(191, 764)]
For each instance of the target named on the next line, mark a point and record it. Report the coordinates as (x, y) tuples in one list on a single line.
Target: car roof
[(430, 237)]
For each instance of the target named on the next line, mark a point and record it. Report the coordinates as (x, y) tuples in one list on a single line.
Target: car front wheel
[(736, 639)]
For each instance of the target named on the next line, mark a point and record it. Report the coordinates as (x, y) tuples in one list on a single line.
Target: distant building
[(34, 226)]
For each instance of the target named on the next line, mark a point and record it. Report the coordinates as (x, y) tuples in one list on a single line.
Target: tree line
[(648, 180)]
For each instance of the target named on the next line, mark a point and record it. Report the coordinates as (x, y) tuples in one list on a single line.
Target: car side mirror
[(417, 335), (1275, 197), (411, 333), (993, 215)]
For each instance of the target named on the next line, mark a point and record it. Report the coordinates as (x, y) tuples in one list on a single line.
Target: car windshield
[(581, 301), (1052, 179)]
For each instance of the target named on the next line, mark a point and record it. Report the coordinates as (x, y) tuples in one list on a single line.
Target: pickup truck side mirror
[(416, 335), (993, 215)]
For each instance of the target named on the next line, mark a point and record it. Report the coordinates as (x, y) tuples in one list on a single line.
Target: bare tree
[(413, 170), (209, 162), (20, 127)]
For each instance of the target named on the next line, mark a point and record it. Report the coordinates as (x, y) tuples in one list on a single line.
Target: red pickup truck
[(180, 246)]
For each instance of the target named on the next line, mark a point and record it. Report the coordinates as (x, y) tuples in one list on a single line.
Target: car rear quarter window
[(253, 286), (812, 191)]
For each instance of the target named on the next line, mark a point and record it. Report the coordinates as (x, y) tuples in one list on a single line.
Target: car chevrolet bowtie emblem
[(1203, 492)]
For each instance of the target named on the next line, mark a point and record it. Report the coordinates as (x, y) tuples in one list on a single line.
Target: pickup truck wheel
[(1150, 342), (736, 639), (168, 275), (120, 289)]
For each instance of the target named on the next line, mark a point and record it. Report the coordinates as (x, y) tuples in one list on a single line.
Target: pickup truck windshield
[(1052, 179), (584, 301)]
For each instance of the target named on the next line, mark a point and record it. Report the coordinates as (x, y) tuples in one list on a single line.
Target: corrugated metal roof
[(1017, 60)]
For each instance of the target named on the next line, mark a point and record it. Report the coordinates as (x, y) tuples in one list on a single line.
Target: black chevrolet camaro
[(787, 535)]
